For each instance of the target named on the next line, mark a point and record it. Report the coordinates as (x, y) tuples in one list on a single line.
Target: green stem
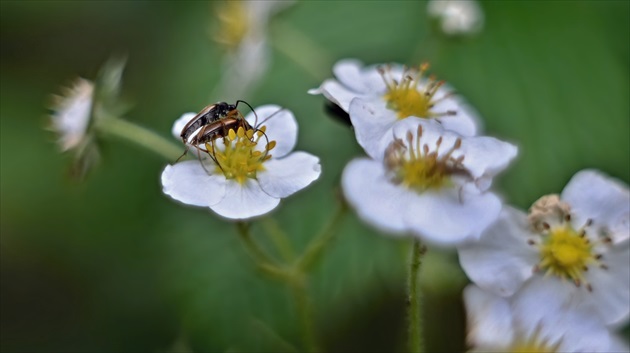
[(304, 308), (319, 242), (262, 260), (140, 136), (414, 298), (310, 56), (280, 240)]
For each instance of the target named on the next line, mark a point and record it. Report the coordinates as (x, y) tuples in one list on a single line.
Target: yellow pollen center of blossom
[(416, 167), (240, 159), (531, 346), (407, 98), (566, 253), (233, 23)]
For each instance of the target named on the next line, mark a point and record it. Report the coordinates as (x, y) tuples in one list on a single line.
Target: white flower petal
[(363, 80), (372, 124), (501, 261), (486, 156), (489, 319), (285, 176), (611, 286), (450, 216), (179, 124), (189, 183), (540, 310), (72, 113), (336, 93), (605, 200), (377, 201), (244, 201), (466, 122), (281, 127)]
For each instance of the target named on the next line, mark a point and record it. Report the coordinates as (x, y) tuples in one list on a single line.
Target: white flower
[(242, 29), (253, 175), (580, 239), (457, 17), (430, 182), (72, 113), (376, 97), (534, 321)]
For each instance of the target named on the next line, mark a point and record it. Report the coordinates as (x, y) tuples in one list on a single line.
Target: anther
[(451, 112), (603, 267), (589, 287), (599, 256), (546, 226), (531, 242), (577, 282)]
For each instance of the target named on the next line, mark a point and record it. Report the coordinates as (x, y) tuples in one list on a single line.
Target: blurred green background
[(111, 264)]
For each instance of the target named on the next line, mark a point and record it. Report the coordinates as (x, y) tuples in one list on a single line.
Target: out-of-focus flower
[(376, 97), (256, 170), (241, 27), (457, 17), (534, 320), (72, 113), (580, 240), (80, 108), (429, 182)]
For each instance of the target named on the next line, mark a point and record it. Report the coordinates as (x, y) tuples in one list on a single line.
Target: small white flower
[(534, 321), (242, 28), (430, 182), (457, 17), (580, 239), (376, 97), (253, 175), (72, 113)]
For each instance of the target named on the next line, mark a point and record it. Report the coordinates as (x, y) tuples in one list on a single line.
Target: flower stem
[(304, 307), (141, 136), (316, 246), (262, 260), (414, 298)]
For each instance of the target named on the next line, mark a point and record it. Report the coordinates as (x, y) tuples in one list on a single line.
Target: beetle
[(208, 115)]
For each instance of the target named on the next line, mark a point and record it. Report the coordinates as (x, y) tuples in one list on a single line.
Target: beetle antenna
[(269, 117), (250, 107), (180, 157)]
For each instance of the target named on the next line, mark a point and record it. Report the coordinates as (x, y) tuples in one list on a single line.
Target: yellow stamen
[(417, 167), (408, 98), (240, 159)]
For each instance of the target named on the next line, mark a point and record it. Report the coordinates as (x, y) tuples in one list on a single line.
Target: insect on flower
[(225, 122), (209, 115)]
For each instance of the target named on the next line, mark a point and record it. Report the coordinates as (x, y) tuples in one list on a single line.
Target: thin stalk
[(279, 239), (318, 243), (414, 315), (140, 136), (304, 308), (262, 260)]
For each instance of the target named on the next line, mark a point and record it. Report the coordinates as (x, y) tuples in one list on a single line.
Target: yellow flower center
[(566, 253), (233, 23), (240, 159), (408, 98), (417, 167), (532, 346)]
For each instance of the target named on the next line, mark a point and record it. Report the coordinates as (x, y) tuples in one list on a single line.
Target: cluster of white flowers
[(556, 280), (428, 174)]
